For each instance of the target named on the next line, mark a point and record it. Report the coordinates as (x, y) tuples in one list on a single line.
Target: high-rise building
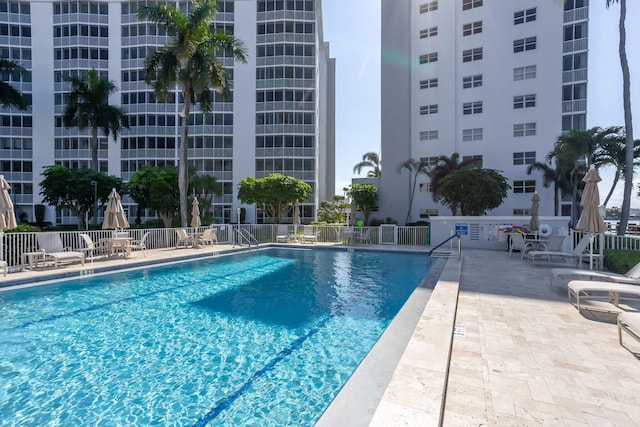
[(496, 81), (279, 119)]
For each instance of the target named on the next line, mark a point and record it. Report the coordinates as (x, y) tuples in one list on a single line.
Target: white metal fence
[(13, 245)]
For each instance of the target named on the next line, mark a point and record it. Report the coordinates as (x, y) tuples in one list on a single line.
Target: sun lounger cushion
[(594, 290), (67, 256)]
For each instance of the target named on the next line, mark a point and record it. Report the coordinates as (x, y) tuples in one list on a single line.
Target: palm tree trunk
[(556, 200), (182, 159), (616, 178), (94, 149), (626, 100), (413, 192)]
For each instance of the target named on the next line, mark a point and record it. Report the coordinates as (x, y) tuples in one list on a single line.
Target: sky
[(352, 28)]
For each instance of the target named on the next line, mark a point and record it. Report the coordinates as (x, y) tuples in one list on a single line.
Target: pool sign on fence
[(462, 229)]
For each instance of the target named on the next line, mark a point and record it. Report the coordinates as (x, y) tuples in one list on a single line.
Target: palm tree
[(415, 168), (556, 176), (628, 123), (10, 96), (369, 160), (444, 167), (205, 187), (88, 107), (611, 151), (189, 59)]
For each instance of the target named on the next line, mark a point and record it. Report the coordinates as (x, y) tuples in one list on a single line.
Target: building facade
[(496, 81), (279, 119)]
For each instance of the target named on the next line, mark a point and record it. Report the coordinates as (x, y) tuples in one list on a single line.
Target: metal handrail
[(430, 253), (246, 236)]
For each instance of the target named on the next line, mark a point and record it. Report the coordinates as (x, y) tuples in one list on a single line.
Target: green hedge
[(620, 261)]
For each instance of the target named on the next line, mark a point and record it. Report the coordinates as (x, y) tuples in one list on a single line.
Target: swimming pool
[(251, 339)]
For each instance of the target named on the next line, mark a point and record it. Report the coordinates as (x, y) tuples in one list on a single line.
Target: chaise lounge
[(578, 253), (630, 323), (609, 292), (51, 244), (566, 274)]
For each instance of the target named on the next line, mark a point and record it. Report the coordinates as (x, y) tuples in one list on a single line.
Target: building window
[(524, 73), (521, 211), (575, 4), (574, 121), (472, 107), (471, 4), (574, 92), (524, 101), (472, 54), (428, 7), (428, 213), (430, 161), (472, 81), (528, 186), (428, 84), (524, 16), (429, 135), (524, 129), (472, 28), (429, 57), (576, 61), (428, 109), (476, 160), (522, 45), (575, 31), (524, 158), (474, 134), (425, 187), (429, 32)]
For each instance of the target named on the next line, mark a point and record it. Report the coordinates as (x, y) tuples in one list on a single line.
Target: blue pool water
[(254, 339)]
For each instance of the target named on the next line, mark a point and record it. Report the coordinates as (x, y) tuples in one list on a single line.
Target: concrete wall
[(486, 232)]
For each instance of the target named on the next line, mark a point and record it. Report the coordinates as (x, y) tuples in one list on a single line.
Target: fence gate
[(388, 234)]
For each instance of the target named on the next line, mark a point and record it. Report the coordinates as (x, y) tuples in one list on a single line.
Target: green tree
[(10, 96), (333, 212), (365, 196), (275, 193), (88, 107), (552, 175), (444, 167), (611, 151), (190, 60), (71, 188), (475, 190), (205, 187), (369, 160), (156, 188), (415, 169), (628, 121)]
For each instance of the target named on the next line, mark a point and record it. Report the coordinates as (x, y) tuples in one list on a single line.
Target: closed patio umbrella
[(296, 220), (590, 219), (114, 216), (195, 213), (7, 215), (534, 224)]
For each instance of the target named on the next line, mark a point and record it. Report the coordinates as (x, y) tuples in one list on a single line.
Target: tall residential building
[(496, 81), (280, 118)]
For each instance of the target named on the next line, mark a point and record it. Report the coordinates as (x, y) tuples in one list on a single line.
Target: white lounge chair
[(51, 244), (566, 274), (209, 236), (518, 243), (578, 253), (630, 323), (92, 248), (601, 291), (140, 244), (282, 234), (309, 234)]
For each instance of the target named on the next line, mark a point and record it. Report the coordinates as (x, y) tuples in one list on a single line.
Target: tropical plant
[(190, 60), (333, 212), (556, 176), (628, 121), (415, 169), (275, 193), (611, 151), (365, 196), (156, 188), (205, 187), (475, 190), (72, 189), (444, 167), (369, 160), (88, 107), (10, 96)]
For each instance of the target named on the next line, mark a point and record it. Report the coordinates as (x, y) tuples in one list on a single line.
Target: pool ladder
[(246, 236), (446, 254)]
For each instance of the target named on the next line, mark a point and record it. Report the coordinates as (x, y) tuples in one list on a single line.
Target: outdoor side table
[(32, 259)]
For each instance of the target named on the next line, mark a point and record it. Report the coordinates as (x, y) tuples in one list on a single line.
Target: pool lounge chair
[(566, 274), (51, 244), (309, 234), (609, 292), (282, 234), (578, 253), (630, 323)]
